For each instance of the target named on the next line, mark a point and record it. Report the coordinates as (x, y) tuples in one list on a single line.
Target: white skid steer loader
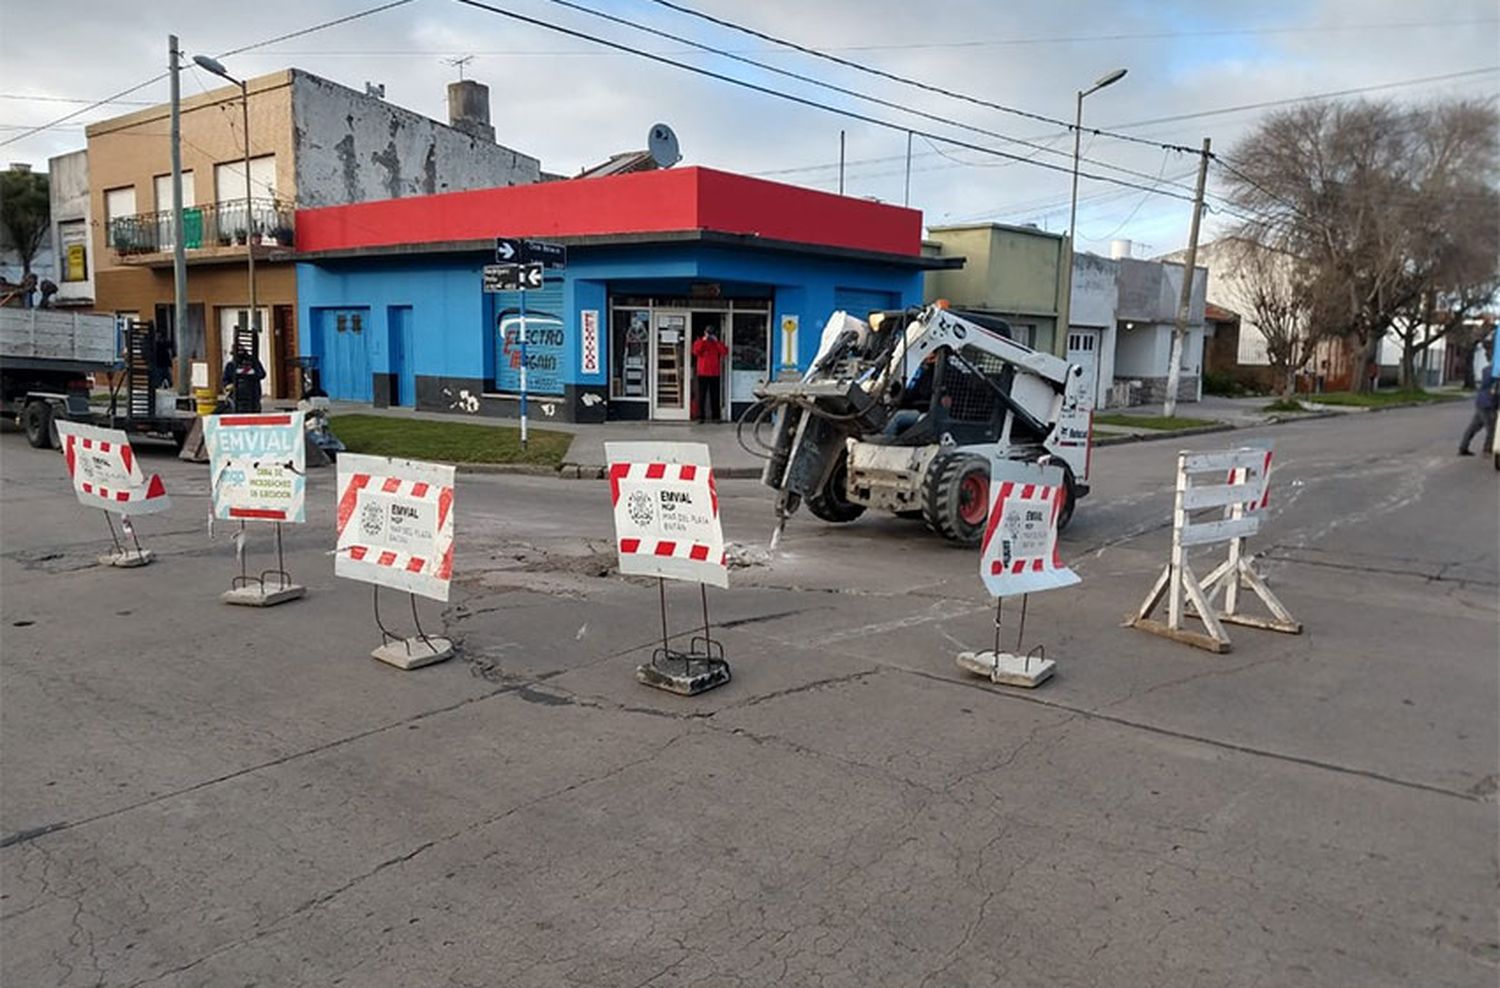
[(903, 412)]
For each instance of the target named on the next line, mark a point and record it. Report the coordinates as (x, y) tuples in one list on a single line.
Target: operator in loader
[(915, 399)]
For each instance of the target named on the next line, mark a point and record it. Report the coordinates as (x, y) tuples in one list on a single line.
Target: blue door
[(860, 302), (403, 366), (344, 362)]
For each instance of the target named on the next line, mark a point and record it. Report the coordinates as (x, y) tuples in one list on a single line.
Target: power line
[(114, 98), (812, 80), (907, 81), (37, 98), (801, 100)]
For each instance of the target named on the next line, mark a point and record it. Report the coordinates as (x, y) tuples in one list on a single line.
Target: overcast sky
[(572, 103)]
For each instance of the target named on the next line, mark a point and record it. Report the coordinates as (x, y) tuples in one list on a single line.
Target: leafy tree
[(25, 213), (1386, 208)]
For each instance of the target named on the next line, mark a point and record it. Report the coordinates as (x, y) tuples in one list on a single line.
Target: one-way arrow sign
[(512, 277), (511, 250)]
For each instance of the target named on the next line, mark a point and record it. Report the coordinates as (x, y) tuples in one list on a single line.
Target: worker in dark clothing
[(708, 363), (1485, 402), (243, 374), (163, 355)]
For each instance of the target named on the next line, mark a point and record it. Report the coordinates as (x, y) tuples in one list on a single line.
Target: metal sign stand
[(254, 591), (408, 653), (523, 370), (700, 668), (1031, 668), (122, 557)]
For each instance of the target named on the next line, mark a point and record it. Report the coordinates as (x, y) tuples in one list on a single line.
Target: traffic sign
[(512, 277), (511, 250)]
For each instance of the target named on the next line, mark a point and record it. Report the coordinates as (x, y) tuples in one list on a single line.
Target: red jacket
[(708, 356)]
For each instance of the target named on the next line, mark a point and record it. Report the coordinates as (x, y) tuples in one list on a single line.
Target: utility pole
[(179, 249), (906, 197), (1185, 297), (841, 162)]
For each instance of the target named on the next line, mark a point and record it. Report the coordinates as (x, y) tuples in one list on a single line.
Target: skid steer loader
[(902, 412)]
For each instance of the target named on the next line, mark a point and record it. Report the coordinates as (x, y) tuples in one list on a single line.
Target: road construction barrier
[(395, 529), (1229, 490), (257, 472), (1018, 556), (106, 475), (666, 513)]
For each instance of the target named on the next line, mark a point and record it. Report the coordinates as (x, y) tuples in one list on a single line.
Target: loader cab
[(955, 393)]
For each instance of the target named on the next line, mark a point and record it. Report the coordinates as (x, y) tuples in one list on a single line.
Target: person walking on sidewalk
[(1484, 412), (708, 364)]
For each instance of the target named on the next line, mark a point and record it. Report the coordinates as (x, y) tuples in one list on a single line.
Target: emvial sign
[(666, 510), (257, 466), (395, 523)]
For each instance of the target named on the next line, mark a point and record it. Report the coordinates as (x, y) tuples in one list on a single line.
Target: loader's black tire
[(1070, 495), (956, 497), (36, 419), (832, 503)]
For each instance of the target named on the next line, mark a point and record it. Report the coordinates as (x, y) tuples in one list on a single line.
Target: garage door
[(860, 302)]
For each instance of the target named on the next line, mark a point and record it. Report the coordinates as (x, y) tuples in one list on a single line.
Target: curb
[(1143, 437), (522, 469)]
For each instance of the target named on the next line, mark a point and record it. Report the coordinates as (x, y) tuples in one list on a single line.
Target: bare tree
[(1277, 305), (1382, 204)]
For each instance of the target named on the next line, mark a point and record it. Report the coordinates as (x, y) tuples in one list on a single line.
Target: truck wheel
[(832, 502), (956, 498), (1070, 495), (36, 419)]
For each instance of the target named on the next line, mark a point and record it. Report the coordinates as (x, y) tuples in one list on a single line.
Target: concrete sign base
[(685, 675), (1008, 669), (414, 653), (127, 558), (259, 595)]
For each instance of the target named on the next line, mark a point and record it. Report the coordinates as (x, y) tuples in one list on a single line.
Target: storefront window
[(630, 338)]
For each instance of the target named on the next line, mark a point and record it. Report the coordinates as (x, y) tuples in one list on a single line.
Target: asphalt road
[(193, 794)]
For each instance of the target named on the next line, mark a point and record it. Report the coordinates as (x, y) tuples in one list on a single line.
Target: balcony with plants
[(223, 230)]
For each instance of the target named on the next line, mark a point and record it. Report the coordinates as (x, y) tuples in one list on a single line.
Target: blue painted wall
[(453, 321)]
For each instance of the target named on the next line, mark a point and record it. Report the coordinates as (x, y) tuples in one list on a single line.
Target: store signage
[(257, 466), (512, 277), (106, 473), (509, 250), (666, 509), (395, 523), (589, 341), (545, 339)]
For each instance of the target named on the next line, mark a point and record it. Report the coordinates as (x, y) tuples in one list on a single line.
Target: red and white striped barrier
[(395, 523), (1019, 552), (105, 471), (666, 510)]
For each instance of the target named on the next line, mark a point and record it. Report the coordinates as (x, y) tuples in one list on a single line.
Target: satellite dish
[(661, 144)]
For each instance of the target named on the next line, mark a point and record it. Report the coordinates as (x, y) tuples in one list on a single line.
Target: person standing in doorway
[(708, 363), (243, 374), (1485, 402)]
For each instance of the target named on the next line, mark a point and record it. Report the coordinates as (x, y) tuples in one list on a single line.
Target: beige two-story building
[(312, 142)]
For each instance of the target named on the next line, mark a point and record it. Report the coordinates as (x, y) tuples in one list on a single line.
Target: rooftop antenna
[(460, 63)]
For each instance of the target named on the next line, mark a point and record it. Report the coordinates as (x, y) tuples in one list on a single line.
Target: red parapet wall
[(650, 202)]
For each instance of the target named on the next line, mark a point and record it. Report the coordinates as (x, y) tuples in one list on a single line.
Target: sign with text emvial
[(105, 472), (1019, 551), (257, 466), (395, 523), (666, 509)]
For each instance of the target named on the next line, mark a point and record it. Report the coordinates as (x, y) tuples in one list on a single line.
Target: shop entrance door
[(669, 336)]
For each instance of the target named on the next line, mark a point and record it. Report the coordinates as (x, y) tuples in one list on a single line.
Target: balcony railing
[(266, 222)]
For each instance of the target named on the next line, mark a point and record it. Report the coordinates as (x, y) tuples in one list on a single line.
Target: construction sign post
[(107, 476), (666, 511), (257, 472), (1234, 485), (395, 529), (1018, 556)]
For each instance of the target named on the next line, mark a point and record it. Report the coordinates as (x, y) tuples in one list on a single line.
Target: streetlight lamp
[(1109, 79), (217, 68)]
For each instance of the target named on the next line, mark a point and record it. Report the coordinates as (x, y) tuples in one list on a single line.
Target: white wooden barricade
[(1202, 484)]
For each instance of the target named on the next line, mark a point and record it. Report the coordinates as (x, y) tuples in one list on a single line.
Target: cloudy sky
[(572, 102)]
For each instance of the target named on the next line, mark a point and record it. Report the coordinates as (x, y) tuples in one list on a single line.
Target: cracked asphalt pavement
[(199, 795)]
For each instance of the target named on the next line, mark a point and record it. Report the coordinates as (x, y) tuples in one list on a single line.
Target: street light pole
[(1065, 290), (213, 65), (179, 249)]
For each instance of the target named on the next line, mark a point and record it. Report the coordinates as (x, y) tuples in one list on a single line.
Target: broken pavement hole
[(22, 624)]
